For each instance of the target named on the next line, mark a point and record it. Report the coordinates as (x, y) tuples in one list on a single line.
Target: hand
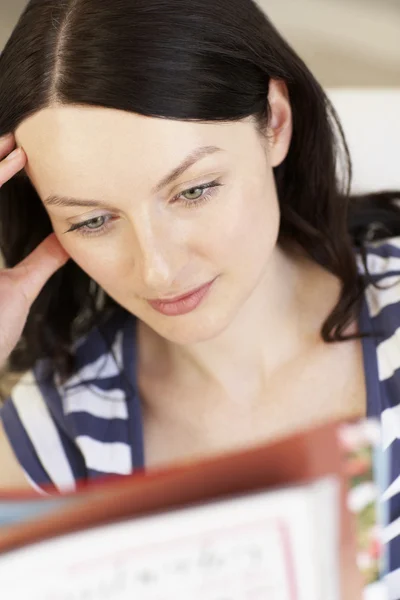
[(20, 286)]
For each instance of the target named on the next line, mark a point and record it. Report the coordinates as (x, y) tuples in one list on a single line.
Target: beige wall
[(344, 42)]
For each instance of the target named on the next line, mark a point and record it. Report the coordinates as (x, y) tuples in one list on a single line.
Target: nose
[(159, 259)]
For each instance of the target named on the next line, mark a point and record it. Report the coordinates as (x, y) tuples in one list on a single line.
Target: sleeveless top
[(91, 425)]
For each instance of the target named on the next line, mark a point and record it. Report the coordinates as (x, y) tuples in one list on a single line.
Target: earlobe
[(280, 125)]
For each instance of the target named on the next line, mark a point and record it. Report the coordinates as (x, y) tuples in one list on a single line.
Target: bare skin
[(320, 383)]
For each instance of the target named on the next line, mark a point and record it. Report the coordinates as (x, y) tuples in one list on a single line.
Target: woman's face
[(140, 241)]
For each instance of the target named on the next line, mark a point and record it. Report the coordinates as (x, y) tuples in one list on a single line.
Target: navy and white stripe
[(92, 425), (381, 317), (82, 429)]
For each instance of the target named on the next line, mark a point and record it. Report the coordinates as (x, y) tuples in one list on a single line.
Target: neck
[(281, 318)]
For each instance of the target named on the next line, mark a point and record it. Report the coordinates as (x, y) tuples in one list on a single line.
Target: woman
[(221, 289)]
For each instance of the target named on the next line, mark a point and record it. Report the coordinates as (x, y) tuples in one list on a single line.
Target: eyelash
[(82, 229)]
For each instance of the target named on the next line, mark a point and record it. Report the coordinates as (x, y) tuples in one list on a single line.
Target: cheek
[(102, 260), (244, 236)]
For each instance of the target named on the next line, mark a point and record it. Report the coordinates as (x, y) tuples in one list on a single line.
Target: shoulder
[(381, 258), (379, 264), (12, 475), (98, 363), (60, 430), (100, 352), (37, 433), (382, 360)]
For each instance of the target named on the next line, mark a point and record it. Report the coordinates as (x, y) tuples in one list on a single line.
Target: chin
[(185, 332)]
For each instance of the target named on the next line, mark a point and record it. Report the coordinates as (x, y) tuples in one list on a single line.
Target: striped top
[(91, 425)]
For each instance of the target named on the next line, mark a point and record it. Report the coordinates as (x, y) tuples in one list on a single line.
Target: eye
[(197, 191), (200, 193), (93, 226), (96, 223)]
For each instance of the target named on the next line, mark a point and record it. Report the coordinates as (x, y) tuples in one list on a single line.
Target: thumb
[(34, 271)]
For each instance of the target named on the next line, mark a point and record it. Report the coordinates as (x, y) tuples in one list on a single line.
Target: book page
[(247, 548)]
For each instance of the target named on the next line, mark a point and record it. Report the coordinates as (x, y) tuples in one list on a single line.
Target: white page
[(256, 547), (327, 523)]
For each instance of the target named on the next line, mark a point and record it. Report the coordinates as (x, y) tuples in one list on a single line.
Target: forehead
[(68, 146)]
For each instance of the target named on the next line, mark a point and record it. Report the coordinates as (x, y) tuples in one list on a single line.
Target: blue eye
[(204, 197), (92, 226), (96, 223)]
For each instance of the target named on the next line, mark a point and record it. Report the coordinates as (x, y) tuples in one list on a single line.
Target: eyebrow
[(189, 161)]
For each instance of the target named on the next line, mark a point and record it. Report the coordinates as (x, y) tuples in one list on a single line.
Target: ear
[(280, 127)]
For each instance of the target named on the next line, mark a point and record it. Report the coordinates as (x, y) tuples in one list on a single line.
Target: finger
[(35, 270), (7, 143), (12, 164)]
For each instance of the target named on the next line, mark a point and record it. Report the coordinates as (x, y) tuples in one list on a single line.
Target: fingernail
[(14, 154)]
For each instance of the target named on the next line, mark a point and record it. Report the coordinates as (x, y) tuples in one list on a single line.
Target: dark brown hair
[(203, 60)]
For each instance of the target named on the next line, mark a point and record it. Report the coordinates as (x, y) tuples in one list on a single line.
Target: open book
[(292, 520)]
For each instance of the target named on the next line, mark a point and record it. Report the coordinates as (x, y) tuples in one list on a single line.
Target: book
[(295, 519)]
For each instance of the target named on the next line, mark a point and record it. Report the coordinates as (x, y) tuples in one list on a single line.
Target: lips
[(178, 298), (182, 304)]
